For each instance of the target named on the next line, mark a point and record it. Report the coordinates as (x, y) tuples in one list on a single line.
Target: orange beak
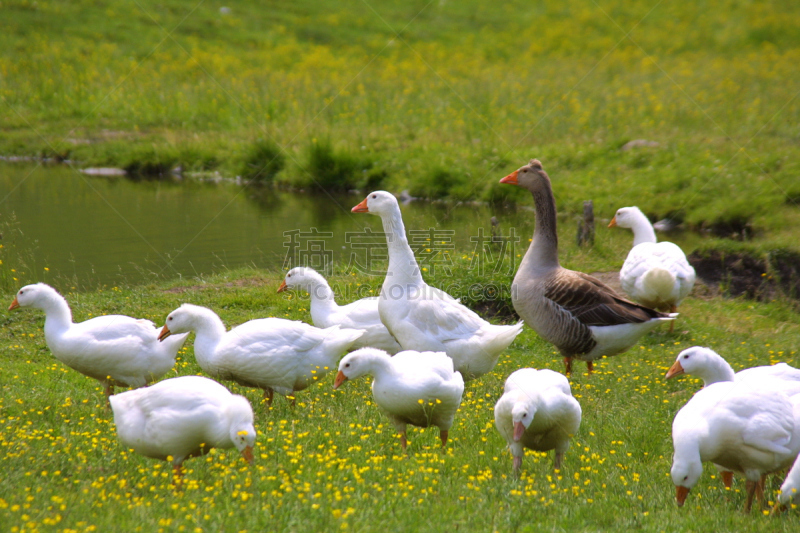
[(340, 378), (283, 286), (511, 179), (165, 332), (14, 304), (519, 429), (361, 208), (613, 223), (680, 494), (247, 453), (674, 370)]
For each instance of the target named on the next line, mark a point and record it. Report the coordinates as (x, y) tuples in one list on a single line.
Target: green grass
[(442, 98), (334, 461), (459, 92)]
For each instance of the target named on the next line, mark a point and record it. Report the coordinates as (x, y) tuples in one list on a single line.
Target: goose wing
[(594, 303)]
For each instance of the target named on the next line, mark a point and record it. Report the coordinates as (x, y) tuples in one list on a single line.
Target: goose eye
[(686, 356), (347, 365), (524, 415), (169, 318), (374, 196), (686, 477)]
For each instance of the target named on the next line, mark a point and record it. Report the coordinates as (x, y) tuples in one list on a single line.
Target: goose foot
[(760, 491), (177, 474), (727, 479), (108, 391), (268, 394), (752, 488), (443, 436), (558, 460)]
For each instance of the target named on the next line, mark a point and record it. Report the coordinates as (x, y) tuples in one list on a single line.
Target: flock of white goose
[(420, 345)]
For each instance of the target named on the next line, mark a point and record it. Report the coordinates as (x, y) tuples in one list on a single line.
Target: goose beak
[(165, 332), (680, 494), (14, 304), (283, 286), (361, 208), (511, 179), (340, 378), (519, 429), (674, 370), (247, 453), (613, 223)]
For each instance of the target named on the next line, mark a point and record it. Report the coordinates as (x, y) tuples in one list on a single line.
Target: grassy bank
[(334, 462), (438, 98)]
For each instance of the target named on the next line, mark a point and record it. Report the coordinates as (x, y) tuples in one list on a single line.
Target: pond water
[(71, 230)]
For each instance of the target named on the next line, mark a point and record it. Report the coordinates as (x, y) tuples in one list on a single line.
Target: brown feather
[(594, 303)]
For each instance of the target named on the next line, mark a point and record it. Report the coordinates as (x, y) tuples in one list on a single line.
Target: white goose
[(537, 411), (417, 388), (745, 427), (272, 354), (424, 318), (711, 367), (790, 490), (113, 349), (183, 417), (361, 314), (579, 314), (655, 274)]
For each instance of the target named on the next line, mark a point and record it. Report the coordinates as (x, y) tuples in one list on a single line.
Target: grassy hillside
[(441, 98), (334, 462)]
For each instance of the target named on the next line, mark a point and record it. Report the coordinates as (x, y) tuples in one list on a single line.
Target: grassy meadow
[(442, 99), (335, 463)]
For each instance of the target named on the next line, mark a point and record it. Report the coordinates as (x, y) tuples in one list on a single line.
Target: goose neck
[(321, 294), (58, 315), (209, 331), (717, 370), (642, 230), (543, 252), (403, 266), (381, 366), (322, 304)]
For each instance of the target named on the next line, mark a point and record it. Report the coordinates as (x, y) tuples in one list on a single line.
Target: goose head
[(685, 475), (627, 217), (698, 361), (241, 431), (181, 320), (531, 176), (522, 415), (37, 295), (377, 203), (299, 278), (357, 364)]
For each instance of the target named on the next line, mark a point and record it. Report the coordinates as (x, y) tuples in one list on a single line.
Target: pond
[(73, 230)]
